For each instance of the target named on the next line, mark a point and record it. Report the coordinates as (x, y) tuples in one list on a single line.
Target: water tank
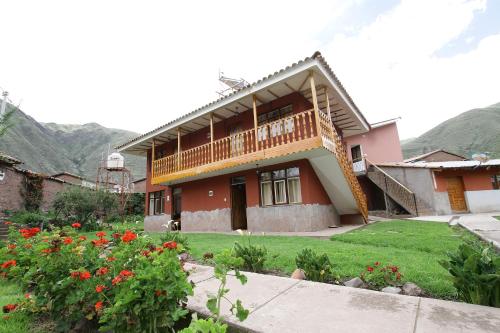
[(115, 161)]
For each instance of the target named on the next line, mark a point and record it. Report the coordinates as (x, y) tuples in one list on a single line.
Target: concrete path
[(279, 304)]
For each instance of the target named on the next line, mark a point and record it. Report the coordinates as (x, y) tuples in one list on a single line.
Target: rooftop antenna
[(230, 85)]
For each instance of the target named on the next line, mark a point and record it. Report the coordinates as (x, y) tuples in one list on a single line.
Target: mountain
[(474, 131), (52, 148)]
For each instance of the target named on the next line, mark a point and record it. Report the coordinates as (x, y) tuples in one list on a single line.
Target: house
[(139, 185), (270, 156), (13, 183), (74, 179), (447, 187), (439, 155)]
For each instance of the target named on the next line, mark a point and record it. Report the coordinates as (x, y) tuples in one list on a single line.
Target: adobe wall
[(10, 190)]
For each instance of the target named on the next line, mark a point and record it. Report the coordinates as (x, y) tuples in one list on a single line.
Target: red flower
[(377, 263), (128, 236), (9, 308), (9, 263), (100, 242), (102, 271), (8, 223), (28, 233), (28, 246), (100, 234), (394, 269), (170, 245), (11, 246), (159, 250), (27, 295), (369, 269), (398, 276), (68, 240), (84, 275), (116, 280), (146, 253), (46, 251), (74, 275), (99, 288), (126, 273), (82, 238), (116, 235), (110, 259), (98, 306), (76, 225)]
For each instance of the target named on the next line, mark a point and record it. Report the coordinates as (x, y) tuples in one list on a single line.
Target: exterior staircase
[(4, 230), (398, 192)]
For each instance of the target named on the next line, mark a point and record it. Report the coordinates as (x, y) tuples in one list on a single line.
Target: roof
[(384, 122), (9, 159), (241, 100), (420, 157), (444, 165), (67, 174), (139, 180)]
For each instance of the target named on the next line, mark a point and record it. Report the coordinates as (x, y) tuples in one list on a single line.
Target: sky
[(136, 65)]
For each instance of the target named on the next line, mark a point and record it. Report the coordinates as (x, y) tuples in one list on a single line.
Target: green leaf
[(212, 305), (241, 312)]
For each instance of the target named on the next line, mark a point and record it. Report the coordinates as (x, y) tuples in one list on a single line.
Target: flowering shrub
[(177, 237), (123, 284), (316, 267), (379, 275)]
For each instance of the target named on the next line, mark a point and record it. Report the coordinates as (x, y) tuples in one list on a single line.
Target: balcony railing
[(291, 134)]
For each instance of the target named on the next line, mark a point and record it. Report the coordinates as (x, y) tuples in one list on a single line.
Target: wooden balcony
[(297, 133)]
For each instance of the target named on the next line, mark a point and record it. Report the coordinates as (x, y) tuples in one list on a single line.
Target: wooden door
[(238, 204), (455, 188)]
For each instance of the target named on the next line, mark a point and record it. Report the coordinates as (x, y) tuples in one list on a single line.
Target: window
[(276, 128), (495, 181), (156, 203), (2, 174), (356, 154), (280, 187)]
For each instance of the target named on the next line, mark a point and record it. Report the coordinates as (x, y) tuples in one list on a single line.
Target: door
[(238, 203), (236, 141), (176, 203), (455, 188)]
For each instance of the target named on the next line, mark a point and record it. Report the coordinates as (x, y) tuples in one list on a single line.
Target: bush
[(135, 204), (253, 256), (83, 205), (31, 219), (124, 284), (316, 267), (379, 275), (475, 271), (175, 236)]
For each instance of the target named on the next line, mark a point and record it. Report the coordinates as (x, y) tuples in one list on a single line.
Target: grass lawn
[(16, 322), (416, 247)]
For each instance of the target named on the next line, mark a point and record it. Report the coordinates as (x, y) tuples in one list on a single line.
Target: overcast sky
[(139, 64)]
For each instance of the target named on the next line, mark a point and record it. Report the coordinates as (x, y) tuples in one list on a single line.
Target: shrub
[(175, 236), (135, 204), (31, 219), (123, 283), (379, 275), (475, 271), (316, 267), (253, 256)]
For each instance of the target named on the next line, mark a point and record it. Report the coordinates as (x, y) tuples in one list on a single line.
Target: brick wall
[(10, 190)]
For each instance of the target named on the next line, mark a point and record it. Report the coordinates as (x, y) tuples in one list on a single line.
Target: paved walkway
[(279, 304), (485, 225)]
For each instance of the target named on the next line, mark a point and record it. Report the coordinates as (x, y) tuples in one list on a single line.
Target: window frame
[(156, 203), (274, 179), (495, 182)]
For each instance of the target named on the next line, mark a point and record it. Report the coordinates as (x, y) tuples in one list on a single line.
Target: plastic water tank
[(115, 161)]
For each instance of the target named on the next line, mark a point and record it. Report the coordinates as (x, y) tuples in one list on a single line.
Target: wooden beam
[(328, 106), (211, 137), (243, 105), (216, 116), (233, 112), (152, 159), (254, 107), (315, 103), (178, 148), (289, 87), (258, 99), (270, 92), (302, 84)]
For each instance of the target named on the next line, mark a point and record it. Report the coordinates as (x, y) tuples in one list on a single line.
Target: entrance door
[(236, 141), (455, 188), (238, 203), (176, 204)]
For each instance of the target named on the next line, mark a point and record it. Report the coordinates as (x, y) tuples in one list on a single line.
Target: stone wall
[(10, 190), (213, 220), (156, 223)]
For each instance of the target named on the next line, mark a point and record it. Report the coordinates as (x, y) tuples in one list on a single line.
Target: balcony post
[(178, 149), (254, 106), (315, 103), (328, 110), (211, 137), (153, 159)]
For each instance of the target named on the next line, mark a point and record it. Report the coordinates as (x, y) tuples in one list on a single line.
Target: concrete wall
[(292, 218), (483, 201), (215, 220), (155, 223), (380, 145)]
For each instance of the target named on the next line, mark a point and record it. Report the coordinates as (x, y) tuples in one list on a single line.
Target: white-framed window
[(280, 187), (156, 203)]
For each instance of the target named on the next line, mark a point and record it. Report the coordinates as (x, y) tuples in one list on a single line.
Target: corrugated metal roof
[(419, 157), (316, 56), (444, 165), (9, 159)]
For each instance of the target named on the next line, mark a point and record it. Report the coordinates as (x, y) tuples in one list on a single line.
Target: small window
[(495, 182), (156, 203), (356, 154), (280, 187), (280, 192), (266, 194)]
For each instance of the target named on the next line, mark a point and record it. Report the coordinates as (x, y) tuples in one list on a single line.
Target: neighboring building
[(439, 155), (448, 187), (12, 179), (74, 179), (139, 186), (267, 157)]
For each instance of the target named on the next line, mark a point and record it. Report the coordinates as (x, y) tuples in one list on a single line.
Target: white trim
[(284, 191)]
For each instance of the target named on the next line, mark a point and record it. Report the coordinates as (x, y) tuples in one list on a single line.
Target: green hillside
[(52, 148), (474, 131)]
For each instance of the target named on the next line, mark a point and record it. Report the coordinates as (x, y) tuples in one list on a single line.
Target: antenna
[(230, 85)]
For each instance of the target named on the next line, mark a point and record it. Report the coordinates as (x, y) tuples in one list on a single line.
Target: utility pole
[(4, 102)]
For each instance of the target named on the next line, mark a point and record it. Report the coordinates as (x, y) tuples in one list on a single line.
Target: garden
[(79, 269)]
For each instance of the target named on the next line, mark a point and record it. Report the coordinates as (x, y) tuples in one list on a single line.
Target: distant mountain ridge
[(52, 148), (474, 131)]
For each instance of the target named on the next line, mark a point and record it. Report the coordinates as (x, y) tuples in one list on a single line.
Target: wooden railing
[(397, 191)]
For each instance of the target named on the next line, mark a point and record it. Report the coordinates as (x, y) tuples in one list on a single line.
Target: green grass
[(14, 322), (416, 247), (497, 217)]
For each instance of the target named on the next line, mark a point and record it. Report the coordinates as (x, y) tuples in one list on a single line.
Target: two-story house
[(268, 157)]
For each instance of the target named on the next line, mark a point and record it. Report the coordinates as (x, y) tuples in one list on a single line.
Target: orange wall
[(474, 180), (380, 145)]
